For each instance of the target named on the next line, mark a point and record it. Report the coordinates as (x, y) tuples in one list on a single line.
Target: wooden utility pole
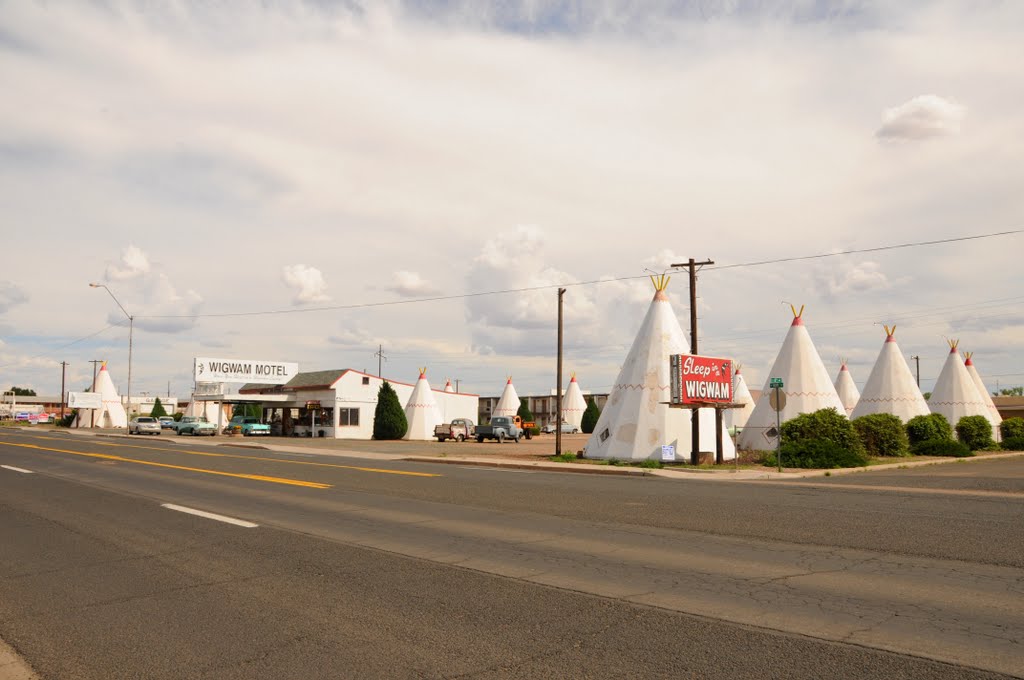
[(917, 362), (692, 265), (63, 399), (380, 358), (558, 380)]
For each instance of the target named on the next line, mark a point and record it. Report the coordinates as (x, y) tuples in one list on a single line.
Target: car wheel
[(517, 439), (501, 437), (179, 433), (460, 438), (575, 431), (479, 440)]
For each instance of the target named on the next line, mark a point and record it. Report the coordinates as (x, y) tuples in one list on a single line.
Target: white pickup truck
[(459, 429)]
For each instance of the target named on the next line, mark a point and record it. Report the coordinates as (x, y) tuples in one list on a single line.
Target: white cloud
[(845, 278), (11, 295), (924, 117), (133, 264), (411, 284), (307, 283)]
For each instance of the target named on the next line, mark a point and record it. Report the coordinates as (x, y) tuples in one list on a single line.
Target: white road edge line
[(16, 469), (210, 515)]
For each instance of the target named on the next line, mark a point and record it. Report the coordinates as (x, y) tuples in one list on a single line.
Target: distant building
[(543, 407)]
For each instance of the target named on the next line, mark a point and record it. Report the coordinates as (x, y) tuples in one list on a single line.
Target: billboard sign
[(85, 400), (700, 380), (244, 371)]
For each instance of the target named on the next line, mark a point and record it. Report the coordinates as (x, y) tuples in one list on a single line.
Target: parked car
[(501, 428), (166, 422), (459, 429), (566, 428), (249, 425), (144, 425), (195, 425)]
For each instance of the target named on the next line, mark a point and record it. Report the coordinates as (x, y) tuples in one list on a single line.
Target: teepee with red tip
[(994, 416), (573, 404), (448, 385), (111, 413), (508, 404), (637, 421), (806, 385), (891, 387), (421, 410), (736, 418), (846, 389), (955, 395)]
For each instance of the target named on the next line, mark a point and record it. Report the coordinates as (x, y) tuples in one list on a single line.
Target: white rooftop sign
[(244, 371)]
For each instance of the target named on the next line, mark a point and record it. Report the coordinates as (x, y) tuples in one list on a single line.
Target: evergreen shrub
[(590, 417), (1013, 444), (389, 420), (158, 409), (975, 432), (941, 447), (1012, 428), (927, 428), (811, 453), (524, 411), (882, 434)]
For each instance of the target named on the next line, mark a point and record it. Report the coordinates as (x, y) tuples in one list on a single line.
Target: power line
[(528, 289), (70, 344)]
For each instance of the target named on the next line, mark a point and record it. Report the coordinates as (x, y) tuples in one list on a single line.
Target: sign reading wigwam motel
[(700, 380), (244, 370)]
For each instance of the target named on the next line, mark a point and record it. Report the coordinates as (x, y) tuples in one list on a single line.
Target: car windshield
[(145, 420), (251, 421)]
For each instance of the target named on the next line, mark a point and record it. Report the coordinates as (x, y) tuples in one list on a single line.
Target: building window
[(348, 416), (366, 380)]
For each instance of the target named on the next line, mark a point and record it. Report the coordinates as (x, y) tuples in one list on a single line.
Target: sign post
[(780, 401)]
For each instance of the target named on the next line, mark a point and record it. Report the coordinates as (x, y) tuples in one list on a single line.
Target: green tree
[(590, 416), (524, 410), (247, 410), (158, 409), (389, 420), (22, 391), (1010, 392)]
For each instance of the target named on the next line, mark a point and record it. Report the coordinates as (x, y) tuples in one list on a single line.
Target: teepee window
[(604, 434)]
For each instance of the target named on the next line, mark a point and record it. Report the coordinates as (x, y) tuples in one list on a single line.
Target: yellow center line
[(259, 478), (211, 454)]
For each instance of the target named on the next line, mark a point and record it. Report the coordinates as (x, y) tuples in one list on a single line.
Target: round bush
[(811, 453), (1013, 443), (826, 425), (929, 427), (882, 434), (975, 432), (389, 421), (1012, 428), (942, 447)]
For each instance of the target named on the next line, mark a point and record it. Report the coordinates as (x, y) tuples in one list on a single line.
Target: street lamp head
[(94, 285)]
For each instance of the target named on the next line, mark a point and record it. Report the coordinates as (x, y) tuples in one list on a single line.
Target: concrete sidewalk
[(338, 448), (12, 666)]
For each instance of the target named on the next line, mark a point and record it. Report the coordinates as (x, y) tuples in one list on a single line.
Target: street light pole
[(131, 333)]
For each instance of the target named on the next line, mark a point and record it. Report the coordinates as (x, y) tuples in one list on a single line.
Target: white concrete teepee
[(508, 404), (448, 385), (994, 416), (421, 411), (955, 394), (891, 387), (805, 382), (738, 417), (636, 421), (112, 413), (573, 404), (846, 389)]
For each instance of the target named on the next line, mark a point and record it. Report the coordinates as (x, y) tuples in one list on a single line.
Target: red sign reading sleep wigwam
[(700, 380)]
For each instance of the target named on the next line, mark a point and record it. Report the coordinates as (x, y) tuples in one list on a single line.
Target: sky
[(308, 181)]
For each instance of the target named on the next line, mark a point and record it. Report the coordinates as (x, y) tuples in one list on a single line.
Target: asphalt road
[(370, 569)]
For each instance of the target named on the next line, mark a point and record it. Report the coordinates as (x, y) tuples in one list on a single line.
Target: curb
[(12, 666), (546, 467)]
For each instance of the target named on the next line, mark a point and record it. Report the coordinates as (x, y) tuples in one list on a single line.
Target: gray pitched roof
[(300, 381)]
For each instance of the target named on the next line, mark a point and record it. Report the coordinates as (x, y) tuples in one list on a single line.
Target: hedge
[(941, 447), (1012, 428), (810, 453), (882, 434), (929, 427), (975, 432)]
